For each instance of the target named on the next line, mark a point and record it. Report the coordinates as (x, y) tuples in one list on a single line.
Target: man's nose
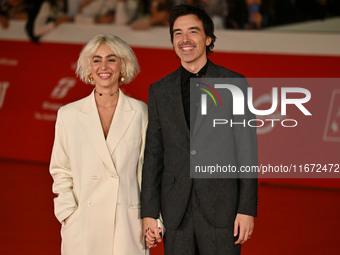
[(185, 37)]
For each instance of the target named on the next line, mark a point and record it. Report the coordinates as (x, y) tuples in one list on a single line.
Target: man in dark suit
[(201, 216)]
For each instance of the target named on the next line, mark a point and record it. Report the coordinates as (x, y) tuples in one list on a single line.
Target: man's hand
[(151, 232), (244, 223)]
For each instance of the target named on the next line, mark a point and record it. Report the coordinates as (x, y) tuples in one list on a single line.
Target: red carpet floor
[(291, 220)]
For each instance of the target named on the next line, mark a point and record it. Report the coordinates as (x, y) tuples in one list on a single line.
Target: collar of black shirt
[(186, 75)]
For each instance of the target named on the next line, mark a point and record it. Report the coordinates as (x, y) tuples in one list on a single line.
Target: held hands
[(152, 233), (244, 224)]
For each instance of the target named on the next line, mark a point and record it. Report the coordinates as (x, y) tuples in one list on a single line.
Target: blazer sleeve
[(247, 155), (142, 148), (65, 203), (153, 162)]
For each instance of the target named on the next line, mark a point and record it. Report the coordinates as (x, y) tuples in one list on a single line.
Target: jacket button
[(193, 152)]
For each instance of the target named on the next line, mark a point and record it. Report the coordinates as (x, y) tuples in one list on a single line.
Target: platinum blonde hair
[(130, 66)]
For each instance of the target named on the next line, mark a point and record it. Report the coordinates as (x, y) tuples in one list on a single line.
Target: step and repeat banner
[(35, 80)]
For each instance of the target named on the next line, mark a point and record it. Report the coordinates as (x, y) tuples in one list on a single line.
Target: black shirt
[(185, 88)]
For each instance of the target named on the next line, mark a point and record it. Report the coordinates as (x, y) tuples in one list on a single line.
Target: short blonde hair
[(130, 66)]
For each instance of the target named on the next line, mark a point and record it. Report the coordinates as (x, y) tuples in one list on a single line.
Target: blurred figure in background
[(119, 12), (250, 14), (216, 9), (286, 12), (44, 16), (237, 14), (157, 15), (317, 9), (73, 7), (12, 9), (260, 13), (159, 12)]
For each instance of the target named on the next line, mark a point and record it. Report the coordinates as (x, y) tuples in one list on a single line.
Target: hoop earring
[(90, 78), (122, 78)]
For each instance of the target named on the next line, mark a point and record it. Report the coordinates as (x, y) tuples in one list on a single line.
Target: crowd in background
[(44, 15)]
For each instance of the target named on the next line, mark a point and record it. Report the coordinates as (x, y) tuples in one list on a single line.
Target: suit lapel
[(211, 73), (121, 121), (176, 94), (90, 122)]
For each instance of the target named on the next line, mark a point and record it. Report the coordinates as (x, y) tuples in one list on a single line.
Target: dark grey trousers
[(196, 236)]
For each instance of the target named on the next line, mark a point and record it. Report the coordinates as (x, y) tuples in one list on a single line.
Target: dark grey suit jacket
[(166, 182)]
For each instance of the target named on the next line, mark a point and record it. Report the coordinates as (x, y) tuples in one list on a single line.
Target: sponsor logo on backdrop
[(8, 62), (332, 127), (49, 108), (62, 88), (3, 89)]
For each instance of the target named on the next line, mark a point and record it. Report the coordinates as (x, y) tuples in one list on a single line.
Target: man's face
[(190, 40)]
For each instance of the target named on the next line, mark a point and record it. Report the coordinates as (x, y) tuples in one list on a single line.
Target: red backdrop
[(36, 80)]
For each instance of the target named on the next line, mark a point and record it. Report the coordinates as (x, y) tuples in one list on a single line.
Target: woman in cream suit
[(98, 154)]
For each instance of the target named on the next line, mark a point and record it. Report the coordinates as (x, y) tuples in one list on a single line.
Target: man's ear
[(208, 41)]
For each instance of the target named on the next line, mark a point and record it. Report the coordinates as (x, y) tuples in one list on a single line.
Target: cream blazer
[(97, 181)]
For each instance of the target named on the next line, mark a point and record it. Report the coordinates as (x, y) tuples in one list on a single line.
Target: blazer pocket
[(70, 219), (168, 179)]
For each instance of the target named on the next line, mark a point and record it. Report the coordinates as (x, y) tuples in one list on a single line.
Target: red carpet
[(291, 220)]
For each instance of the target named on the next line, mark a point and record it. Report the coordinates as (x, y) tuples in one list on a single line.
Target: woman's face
[(105, 67)]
